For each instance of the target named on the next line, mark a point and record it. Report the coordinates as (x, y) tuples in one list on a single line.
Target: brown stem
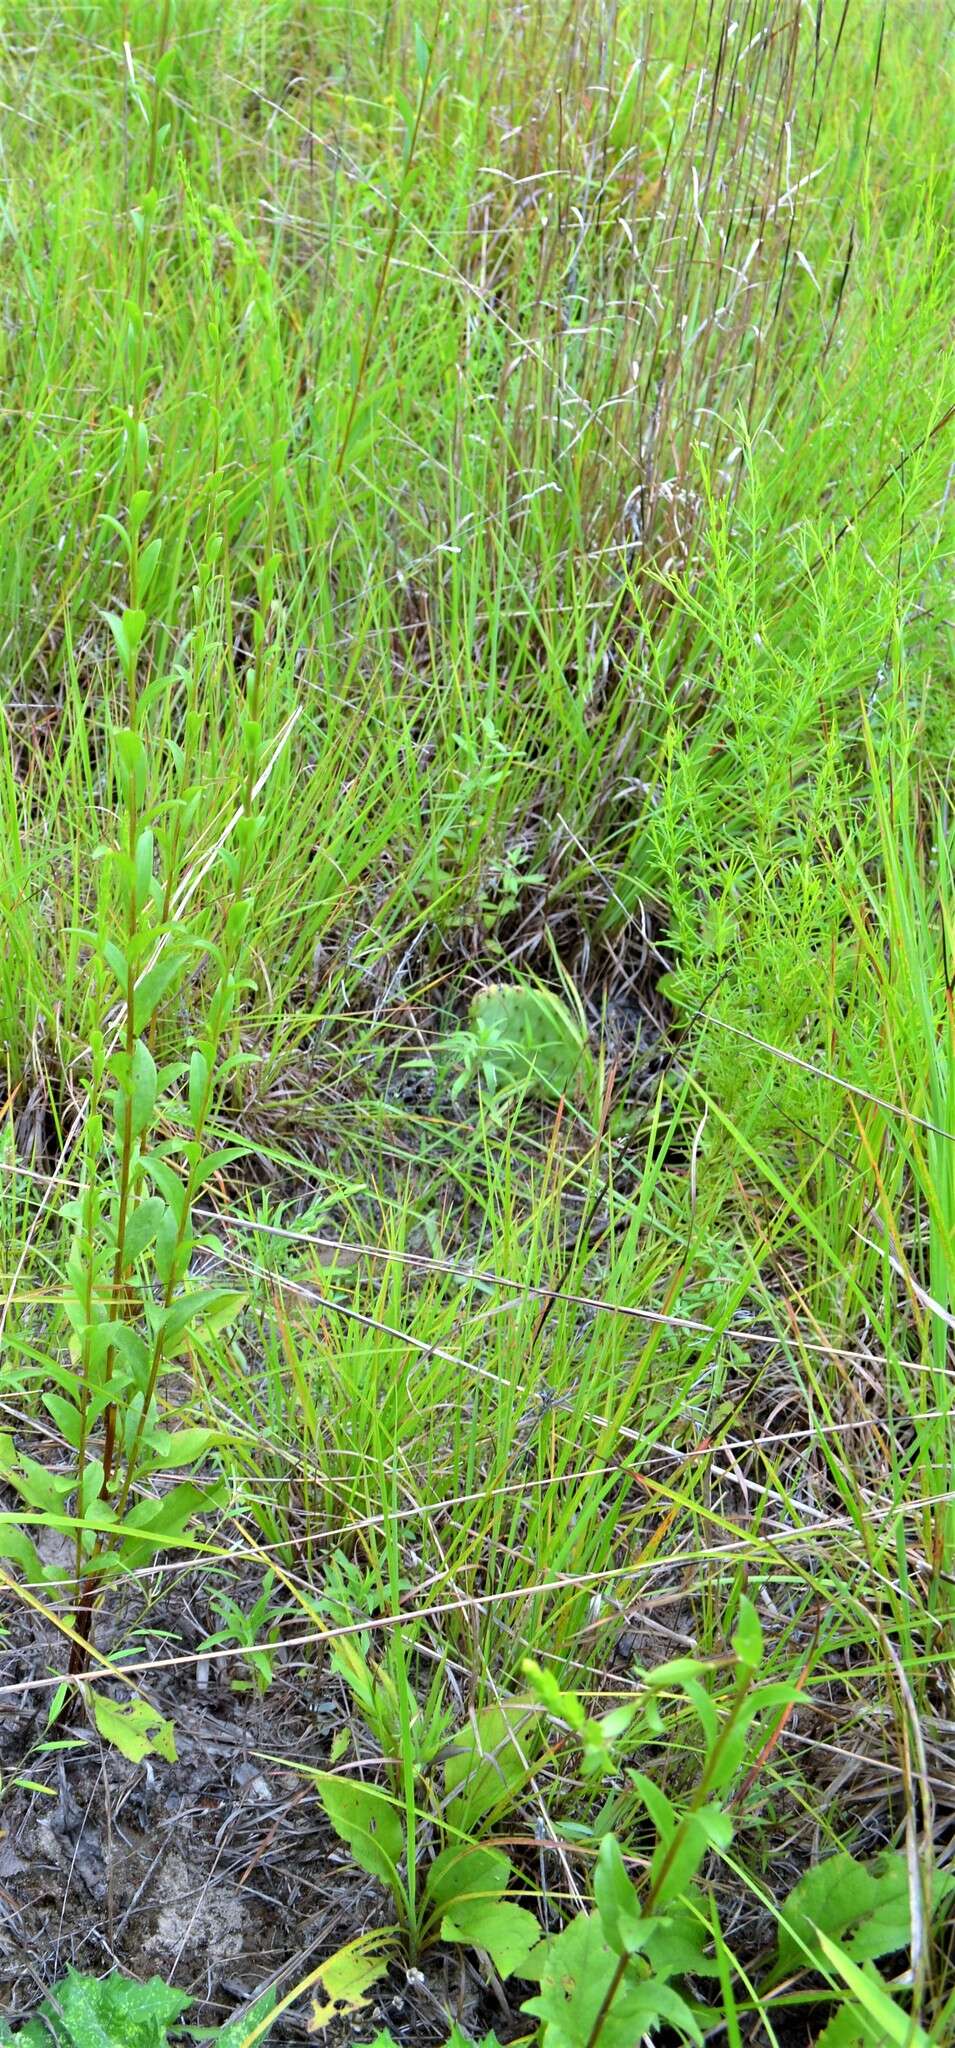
[(83, 1627)]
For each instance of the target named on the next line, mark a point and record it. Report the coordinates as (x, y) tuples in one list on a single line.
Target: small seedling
[(255, 1633)]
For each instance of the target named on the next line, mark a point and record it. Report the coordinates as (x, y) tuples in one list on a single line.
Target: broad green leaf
[(421, 51), (149, 562), (887, 1924), (214, 1162), (134, 626), (116, 959), (576, 1974), (508, 1933), (705, 1711), (160, 1524), (198, 1084), (717, 1826), (40, 1488), (106, 2012), (169, 1184), (135, 2014), (132, 755), (530, 1039), (614, 1726), (487, 1763), (134, 1728), (72, 2018), (216, 1305), (172, 1245), (142, 1226), (465, 1872), (366, 1819), (172, 1449), (15, 1545), (677, 1942), (348, 1975), (621, 1919), (101, 1341), (733, 1751), (839, 1894), (92, 1490), (66, 1416), (154, 985), (124, 646), (132, 1348), (57, 1703), (664, 1677), (577, 1957), (662, 1813)]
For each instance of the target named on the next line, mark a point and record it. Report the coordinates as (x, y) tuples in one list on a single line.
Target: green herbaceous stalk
[(477, 1120)]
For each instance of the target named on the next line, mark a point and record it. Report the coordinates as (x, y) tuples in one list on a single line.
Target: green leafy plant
[(119, 2012), (609, 1972), (612, 1974), (609, 1975), (445, 1880), (840, 1919), (255, 1631), (129, 1301), (459, 1779), (523, 1039), (410, 1733), (462, 1900)]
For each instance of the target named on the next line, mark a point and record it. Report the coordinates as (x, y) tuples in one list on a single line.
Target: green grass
[(547, 424)]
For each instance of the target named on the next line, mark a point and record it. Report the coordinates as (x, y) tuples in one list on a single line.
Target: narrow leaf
[(155, 984), (142, 1087)]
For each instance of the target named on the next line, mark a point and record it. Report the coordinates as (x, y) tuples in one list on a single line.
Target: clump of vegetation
[(117, 2012), (477, 1202)]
